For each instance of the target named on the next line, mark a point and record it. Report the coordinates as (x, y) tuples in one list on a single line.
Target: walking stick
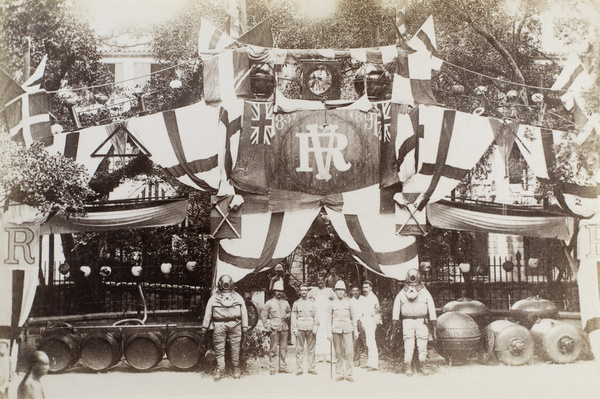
[(331, 359)]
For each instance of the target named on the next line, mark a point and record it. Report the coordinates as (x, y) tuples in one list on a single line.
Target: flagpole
[(27, 59)]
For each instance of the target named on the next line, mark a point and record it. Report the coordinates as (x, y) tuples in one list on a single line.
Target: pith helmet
[(340, 285), (225, 283), (278, 286), (278, 268)]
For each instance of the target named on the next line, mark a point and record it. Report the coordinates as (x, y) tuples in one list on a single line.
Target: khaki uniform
[(275, 316), (305, 324), (342, 318)]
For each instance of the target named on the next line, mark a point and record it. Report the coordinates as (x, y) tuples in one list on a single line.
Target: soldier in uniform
[(275, 316), (305, 324), (414, 305), (322, 296), (359, 343), (370, 317), (227, 311), (342, 329), (277, 277)]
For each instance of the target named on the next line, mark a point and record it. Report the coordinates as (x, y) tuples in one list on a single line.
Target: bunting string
[(130, 79), (216, 54), (503, 80)]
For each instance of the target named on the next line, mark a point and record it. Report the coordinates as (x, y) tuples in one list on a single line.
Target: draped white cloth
[(132, 216), (19, 245)]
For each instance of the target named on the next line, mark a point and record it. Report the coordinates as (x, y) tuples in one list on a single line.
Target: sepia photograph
[(299, 199)]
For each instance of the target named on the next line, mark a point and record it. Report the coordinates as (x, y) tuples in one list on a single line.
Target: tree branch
[(491, 39)]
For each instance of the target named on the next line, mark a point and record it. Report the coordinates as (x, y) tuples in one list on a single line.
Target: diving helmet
[(413, 277), (413, 284), (225, 283)]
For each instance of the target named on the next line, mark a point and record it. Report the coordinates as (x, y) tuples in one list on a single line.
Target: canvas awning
[(500, 218), (120, 215)]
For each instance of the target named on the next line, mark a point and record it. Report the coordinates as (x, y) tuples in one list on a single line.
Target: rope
[(130, 79), (502, 80), (196, 58), (487, 99)]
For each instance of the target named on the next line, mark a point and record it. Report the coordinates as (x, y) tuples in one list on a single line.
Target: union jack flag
[(262, 123), (385, 121)]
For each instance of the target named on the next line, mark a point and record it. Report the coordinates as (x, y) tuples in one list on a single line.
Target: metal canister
[(528, 311), (183, 349), (458, 337), (477, 310), (100, 350), (510, 342), (62, 349), (144, 350), (557, 341)]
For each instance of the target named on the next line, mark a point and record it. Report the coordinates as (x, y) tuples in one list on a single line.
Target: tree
[(31, 176), (54, 29)]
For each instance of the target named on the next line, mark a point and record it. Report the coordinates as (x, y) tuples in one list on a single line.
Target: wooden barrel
[(183, 349), (100, 351), (144, 350), (62, 349)]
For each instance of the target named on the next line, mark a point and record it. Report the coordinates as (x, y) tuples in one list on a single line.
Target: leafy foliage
[(55, 30), (32, 176)]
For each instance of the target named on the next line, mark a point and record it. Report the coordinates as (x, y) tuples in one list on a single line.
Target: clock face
[(319, 81)]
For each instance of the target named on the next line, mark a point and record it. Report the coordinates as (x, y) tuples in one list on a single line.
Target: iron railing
[(181, 289)]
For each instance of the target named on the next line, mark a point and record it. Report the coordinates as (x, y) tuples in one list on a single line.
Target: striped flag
[(401, 16), (227, 75), (79, 146), (236, 9), (28, 118), (230, 123), (373, 241), (537, 146), (211, 39), (412, 80), (452, 144), (186, 142), (230, 117), (572, 80), (409, 133), (267, 238), (425, 38), (393, 128), (34, 83), (9, 89), (260, 35)]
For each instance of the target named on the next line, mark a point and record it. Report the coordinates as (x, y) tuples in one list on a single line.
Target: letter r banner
[(19, 258)]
